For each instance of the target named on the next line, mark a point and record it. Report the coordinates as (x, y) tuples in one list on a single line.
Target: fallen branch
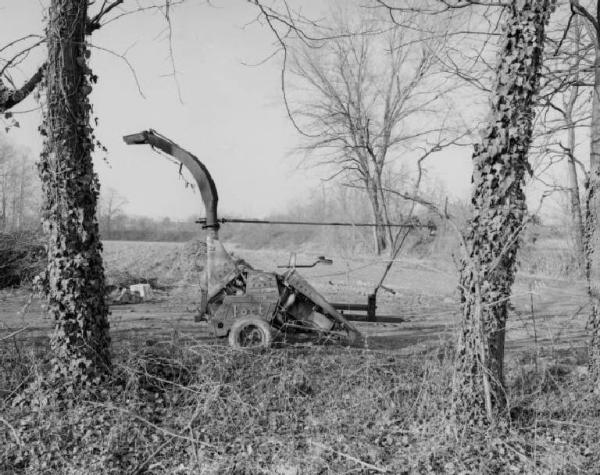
[(151, 424), (15, 333), (350, 457), (143, 465), (13, 430)]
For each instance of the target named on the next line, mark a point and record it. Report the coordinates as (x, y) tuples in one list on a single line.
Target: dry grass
[(182, 407)]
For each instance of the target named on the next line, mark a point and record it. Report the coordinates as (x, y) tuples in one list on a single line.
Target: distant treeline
[(163, 235), (19, 188), (123, 227)]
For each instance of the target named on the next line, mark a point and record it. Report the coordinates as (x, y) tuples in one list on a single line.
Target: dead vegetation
[(177, 406), (156, 263), (22, 257)]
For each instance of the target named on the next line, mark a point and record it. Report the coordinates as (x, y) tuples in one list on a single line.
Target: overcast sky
[(232, 116)]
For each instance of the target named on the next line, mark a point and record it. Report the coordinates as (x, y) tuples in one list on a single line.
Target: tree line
[(19, 188)]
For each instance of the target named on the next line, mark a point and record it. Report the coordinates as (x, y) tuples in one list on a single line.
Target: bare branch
[(167, 14), (127, 63), (94, 22), (11, 97)]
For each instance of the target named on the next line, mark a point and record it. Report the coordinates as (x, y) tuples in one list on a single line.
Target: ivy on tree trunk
[(74, 280), (499, 212), (592, 227)]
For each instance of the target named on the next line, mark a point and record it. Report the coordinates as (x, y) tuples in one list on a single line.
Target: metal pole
[(318, 223)]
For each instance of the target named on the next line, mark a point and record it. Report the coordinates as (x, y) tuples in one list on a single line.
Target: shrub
[(22, 257)]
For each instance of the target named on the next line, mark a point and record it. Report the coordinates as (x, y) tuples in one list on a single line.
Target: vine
[(74, 282), (498, 199)]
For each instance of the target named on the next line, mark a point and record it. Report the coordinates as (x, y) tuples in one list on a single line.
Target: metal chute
[(206, 184), (220, 266)]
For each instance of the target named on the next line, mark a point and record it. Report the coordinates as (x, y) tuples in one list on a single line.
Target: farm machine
[(248, 305)]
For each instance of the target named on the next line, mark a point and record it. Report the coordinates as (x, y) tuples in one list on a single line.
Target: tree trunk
[(4, 192), (14, 200), (108, 228), (574, 196), (574, 200), (108, 220), (74, 281), (379, 230), (592, 224), (21, 210), (492, 237), (389, 236)]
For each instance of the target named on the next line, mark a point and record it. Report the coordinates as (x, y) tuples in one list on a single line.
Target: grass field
[(182, 402)]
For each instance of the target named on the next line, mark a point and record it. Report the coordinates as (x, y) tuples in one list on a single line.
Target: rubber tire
[(242, 323)]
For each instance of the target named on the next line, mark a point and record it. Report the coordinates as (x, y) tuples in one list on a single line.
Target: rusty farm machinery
[(247, 305)]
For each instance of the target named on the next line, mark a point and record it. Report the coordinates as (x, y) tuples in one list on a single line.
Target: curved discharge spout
[(204, 180)]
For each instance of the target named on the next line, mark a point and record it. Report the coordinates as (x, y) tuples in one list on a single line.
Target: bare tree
[(10, 97), (367, 100), (111, 205), (571, 118), (592, 221), (565, 111), (7, 154), (18, 196)]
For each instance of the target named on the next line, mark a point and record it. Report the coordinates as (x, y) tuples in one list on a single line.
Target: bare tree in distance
[(591, 21), (111, 205), (367, 100), (565, 99), (7, 159), (19, 200)]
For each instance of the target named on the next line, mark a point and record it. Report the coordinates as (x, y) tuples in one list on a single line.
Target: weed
[(184, 407)]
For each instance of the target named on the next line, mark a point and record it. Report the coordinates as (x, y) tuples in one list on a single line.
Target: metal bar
[(318, 223), (350, 306), (354, 317), (372, 307), (313, 329)]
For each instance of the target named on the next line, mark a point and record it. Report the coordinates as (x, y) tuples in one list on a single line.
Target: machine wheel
[(250, 332)]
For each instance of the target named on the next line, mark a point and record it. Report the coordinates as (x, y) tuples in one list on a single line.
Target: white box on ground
[(144, 290)]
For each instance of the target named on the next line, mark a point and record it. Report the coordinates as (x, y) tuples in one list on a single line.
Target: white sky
[(232, 116)]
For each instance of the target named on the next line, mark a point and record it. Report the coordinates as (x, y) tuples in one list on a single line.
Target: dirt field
[(548, 312)]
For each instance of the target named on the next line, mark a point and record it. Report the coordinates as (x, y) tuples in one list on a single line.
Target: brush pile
[(22, 257)]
